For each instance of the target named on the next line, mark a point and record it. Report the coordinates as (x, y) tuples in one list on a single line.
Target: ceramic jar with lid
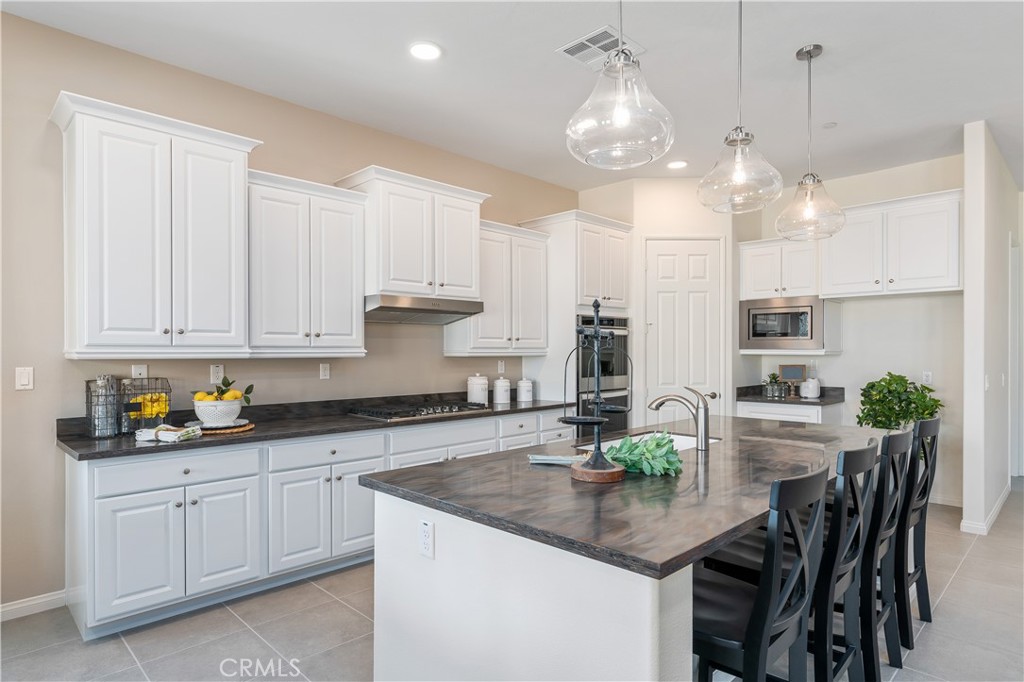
[(524, 391), (502, 391), (476, 389)]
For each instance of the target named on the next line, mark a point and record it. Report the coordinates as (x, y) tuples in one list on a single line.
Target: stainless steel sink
[(680, 441)]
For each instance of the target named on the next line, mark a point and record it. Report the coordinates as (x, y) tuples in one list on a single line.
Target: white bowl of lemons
[(220, 408)]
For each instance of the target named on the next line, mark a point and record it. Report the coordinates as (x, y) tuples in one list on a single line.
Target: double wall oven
[(613, 364)]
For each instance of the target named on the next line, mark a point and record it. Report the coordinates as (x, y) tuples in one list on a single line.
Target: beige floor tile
[(188, 630), (988, 628), (347, 580), (28, 633), (954, 545), (220, 659), (1000, 554), (350, 661), (73, 660), (1005, 534), (314, 630), (950, 658), (908, 675), (944, 519), (259, 608), (975, 593), (132, 674), (991, 572), (361, 602)]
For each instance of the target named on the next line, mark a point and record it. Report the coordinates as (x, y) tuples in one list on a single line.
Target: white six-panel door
[(684, 322), (139, 551), (529, 294), (126, 235), (279, 267), (456, 235), (407, 240), (335, 235), (208, 244), (352, 506), (299, 508), (492, 328), (222, 527)]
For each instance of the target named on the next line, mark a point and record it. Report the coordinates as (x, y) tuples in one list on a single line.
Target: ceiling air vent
[(592, 49)]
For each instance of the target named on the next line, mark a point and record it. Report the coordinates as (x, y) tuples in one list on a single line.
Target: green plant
[(655, 455), (893, 402), (773, 378)]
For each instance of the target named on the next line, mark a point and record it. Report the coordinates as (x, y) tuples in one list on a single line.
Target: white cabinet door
[(457, 240), (126, 199), (222, 527), (140, 552), (471, 449), (336, 273), (352, 506), (411, 459), (807, 414), (561, 435), (492, 329), (279, 267), (923, 246), (589, 261), (513, 442), (529, 294), (615, 269), (851, 261), (210, 282), (300, 518), (799, 275), (760, 272), (406, 240)]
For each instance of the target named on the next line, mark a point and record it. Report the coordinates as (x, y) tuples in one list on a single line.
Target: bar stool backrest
[(890, 489), (921, 470), (847, 532)]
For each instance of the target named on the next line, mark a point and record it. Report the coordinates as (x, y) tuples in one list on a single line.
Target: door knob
[(711, 395)]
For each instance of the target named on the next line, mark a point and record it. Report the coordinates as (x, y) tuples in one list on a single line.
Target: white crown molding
[(305, 186), (943, 195), (578, 216), (378, 173), (513, 231)]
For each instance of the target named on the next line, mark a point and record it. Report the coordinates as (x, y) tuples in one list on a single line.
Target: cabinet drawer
[(517, 424), (119, 479), (307, 453), (442, 435), (513, 442), (564, 434), (809, 414), (549, 420)]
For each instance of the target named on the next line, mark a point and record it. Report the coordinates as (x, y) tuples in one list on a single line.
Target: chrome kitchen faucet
[(699, 411)]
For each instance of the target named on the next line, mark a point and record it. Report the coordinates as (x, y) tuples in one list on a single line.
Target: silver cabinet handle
[(167, 330), (177, 504), (338, 477), (891, 281), (187, 471), (878, 281), (327, 479), (194, 502), (181, 331), (317, 335), (307, 335), (333, 451)]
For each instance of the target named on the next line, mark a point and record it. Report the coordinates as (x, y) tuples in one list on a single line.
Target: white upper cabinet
[(306, 268), (422, 236), (155, 234), (514, 291), (589, 264), (602, 266), (775, 268), (904, 246), (616, 268)]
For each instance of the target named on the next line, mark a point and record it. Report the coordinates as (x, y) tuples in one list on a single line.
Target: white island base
[(492, 605)]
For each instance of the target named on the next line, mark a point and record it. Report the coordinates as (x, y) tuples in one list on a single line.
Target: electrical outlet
[(216, 374), (426, 539), (325, 370), (140, 371), (501, 366), (926, 377), (24, 379)]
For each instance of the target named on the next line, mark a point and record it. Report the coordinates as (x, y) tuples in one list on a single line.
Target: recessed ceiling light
[(676, 165), (425, 50)]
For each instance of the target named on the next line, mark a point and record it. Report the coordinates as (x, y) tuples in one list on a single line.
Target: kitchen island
[(527, 574)]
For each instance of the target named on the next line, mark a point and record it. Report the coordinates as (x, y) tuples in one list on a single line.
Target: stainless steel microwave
[(805, 324)]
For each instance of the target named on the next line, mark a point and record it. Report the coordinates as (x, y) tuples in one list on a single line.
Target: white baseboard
[(26, 607), (984, 528), (948, 501)]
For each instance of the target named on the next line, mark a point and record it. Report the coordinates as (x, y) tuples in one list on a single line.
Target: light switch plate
[(140, 371), (325, 370), (24, 379), (216, 373)]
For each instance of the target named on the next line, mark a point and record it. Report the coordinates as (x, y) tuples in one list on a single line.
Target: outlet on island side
[(426, 538)]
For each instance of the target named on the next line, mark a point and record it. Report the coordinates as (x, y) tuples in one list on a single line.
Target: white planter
[(217, 413)]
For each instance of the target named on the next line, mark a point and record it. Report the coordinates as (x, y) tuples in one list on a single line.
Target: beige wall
[(37, 63)]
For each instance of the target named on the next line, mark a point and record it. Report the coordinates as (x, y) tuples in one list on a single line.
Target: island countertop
[(654, 526)]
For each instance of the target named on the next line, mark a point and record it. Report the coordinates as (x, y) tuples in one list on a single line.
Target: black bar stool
[(878, 565), (738, 627), (914, 517)]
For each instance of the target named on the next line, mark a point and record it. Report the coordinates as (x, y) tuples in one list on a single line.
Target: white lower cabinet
[(352, 506), (300, 518), (411, 459), (566, 433), (513, 442), (808, 414), (472, 449), (222, 531)]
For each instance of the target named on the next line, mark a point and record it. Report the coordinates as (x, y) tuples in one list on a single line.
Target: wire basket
[(103, 406), (145, 403)]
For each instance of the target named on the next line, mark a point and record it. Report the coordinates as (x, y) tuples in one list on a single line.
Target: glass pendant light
[(742, 180), (621, 125), (812, 214)]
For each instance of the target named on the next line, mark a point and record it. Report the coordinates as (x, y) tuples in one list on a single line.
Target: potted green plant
[(773, 386), (894, 403)]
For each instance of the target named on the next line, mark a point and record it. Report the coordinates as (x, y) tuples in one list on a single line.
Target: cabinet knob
[(193, 502), (338, 477), (517, 338), (441, 284), (181, 331), (327, 479), (333, 451), (187, 471), (431, 283), (317, 335), (776, 288), (177, 504), (783, 288), (891, 280), (167, 330), (520, 426), (509, 338), (878, 281), (307, 335)]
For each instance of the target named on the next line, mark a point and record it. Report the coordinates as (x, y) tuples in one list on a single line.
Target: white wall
[(991, 205)]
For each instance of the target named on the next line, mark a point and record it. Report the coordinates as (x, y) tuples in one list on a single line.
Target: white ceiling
[(900, 79)]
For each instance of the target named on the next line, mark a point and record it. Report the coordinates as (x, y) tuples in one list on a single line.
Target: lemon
[(209, 398), (199, 395)]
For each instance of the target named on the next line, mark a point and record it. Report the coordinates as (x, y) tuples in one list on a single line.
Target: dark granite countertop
[(830, 395), (654, 526), (273, 422)]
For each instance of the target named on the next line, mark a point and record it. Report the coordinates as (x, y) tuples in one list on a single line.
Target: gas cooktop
[(404, 413)]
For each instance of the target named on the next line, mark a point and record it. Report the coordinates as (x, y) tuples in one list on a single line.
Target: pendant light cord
[(739, 70), (809, 60), (621, 37)]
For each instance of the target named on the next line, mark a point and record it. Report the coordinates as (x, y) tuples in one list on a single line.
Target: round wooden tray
[(235, 429)]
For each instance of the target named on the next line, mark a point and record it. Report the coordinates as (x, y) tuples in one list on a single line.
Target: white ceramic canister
[(476, 389), (502, 391), (524, 391)]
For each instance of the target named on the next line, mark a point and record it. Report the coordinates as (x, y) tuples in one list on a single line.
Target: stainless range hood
[(418, 310)]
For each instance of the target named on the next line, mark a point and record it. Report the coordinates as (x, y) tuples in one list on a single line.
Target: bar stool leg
[(798, 658), (903, 615), (924, 602), (703, 670), (869, 621), (891, 627), (851, 629)]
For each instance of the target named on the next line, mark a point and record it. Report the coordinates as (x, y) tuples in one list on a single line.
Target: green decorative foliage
[(773, 378), (894, 402), (653, 456)]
